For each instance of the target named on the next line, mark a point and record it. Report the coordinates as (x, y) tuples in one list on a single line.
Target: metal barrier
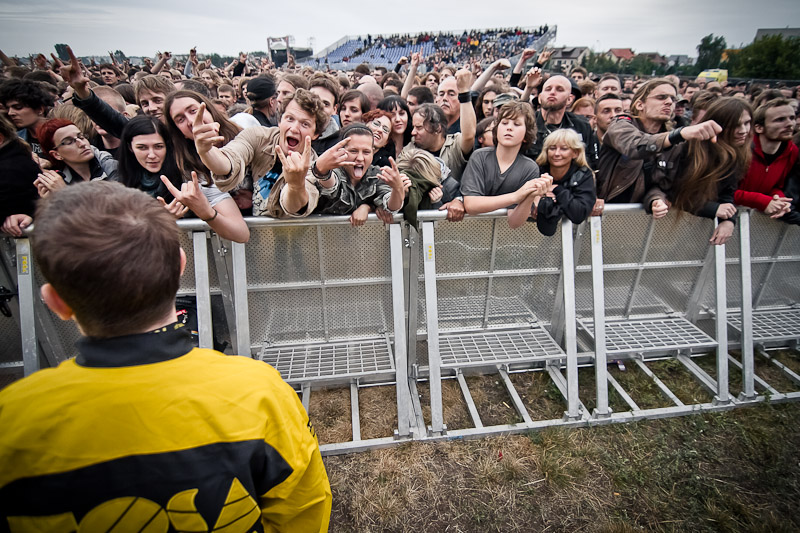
[(329, 305)]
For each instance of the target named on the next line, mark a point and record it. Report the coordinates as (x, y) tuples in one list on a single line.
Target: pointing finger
[(170, 187), (198, 118)]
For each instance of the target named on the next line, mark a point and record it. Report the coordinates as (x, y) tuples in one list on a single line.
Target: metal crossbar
[(465, 307), (771, 325), (641, 336), (461, 350), (345, 360)]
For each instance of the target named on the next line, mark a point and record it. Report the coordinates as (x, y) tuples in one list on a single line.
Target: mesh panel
[(459, 350), (187, 283), (464, 247), (11, 347), (624, 235), (346, 256), (282, 255), (635, 336), (771, 325), (342, 360)]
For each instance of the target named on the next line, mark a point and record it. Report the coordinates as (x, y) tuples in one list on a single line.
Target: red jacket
[(763, 181)]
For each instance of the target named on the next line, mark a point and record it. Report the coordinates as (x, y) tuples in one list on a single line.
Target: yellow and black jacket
[(146, 433)]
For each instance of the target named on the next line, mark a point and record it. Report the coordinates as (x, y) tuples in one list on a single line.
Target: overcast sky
[(141, 27)]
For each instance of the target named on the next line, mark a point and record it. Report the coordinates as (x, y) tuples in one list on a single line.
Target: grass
[(722, 472)]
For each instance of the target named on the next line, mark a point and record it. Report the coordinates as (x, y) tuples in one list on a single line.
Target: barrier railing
[(329, 305)]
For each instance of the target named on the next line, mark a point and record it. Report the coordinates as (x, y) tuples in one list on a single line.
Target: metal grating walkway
[(771, 325), (645, 335), (331, 360), (475, 349)]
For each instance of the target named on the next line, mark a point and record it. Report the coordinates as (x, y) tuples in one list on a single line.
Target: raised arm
[(416, 57), (468, 121), (480, 83)]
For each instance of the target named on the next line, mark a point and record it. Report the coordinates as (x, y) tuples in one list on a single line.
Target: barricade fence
[(597, 312)]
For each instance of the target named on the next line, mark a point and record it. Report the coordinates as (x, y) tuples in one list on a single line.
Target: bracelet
[(212, 218), (464, 98), (317, 173), (675, 136)]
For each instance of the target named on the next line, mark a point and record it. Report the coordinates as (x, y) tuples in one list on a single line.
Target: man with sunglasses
[(635, 142)]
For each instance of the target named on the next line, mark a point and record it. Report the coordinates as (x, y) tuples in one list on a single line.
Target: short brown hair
[(311, 104), (760, 114), (328, 83), (85, 239), (514, 109), (154, 84), (295, 80)]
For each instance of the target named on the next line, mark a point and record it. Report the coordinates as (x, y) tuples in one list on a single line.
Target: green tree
[(709, 52), (771, 57), (598, 63), (641, 65)]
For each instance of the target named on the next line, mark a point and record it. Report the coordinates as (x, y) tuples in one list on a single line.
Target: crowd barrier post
[(404, 407), (599, 307), (241, 327), (432, 315), (721, 322), (748, 365), (571, 337), (203, 289)]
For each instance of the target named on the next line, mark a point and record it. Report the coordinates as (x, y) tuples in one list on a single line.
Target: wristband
[(212, 218), (675, 136), (464, 98), (317, 174)]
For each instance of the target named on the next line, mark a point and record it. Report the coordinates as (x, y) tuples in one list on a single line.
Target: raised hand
[(295, 165), (544, 57), (704, 131), (75, 76), (416, 58), (501, 64), (527, 54), (190, 196), (206, 136), (463, 80), (533, 76), (334, 157), (391, 176), (175, 208)]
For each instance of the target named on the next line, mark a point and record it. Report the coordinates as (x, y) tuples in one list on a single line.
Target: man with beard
[(775, 157), (634, 142), (555, 96)]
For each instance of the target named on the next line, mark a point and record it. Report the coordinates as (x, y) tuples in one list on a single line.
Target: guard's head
[(111, 256)]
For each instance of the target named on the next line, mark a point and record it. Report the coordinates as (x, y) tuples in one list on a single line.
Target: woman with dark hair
[(380, 122), (484, 105), (180, 109), (18, 194), (401, 121), (71, 157), (357, 186), (147, 163), (709, 172)]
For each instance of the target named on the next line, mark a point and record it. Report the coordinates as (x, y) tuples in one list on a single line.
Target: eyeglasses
[(69, 141), (664, 97), (379, 126)]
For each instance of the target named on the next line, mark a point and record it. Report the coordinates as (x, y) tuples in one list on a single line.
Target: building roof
[(568, 52), (622, 53)]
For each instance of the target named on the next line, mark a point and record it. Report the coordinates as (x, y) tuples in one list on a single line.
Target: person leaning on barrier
[(18, 172), (572, 193), (775, 159), (142, 427), (502, 177), (353, 185), (283, 185), (634, 142), (702, 179)]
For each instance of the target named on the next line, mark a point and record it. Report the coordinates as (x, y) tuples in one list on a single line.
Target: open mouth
[(358, 171), (292, 142)]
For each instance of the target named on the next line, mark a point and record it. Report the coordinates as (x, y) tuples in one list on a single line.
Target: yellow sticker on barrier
[(23, 265), (429, 253)]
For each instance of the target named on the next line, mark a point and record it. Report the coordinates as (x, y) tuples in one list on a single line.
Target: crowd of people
[(107, 158), (221, 143)]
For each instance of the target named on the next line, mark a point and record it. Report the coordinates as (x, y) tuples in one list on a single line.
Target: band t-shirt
[(482, 177)]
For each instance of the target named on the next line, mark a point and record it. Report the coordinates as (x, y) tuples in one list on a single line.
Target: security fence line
[(329, 305)]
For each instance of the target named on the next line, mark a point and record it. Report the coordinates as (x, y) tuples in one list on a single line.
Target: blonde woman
[(572, 193)]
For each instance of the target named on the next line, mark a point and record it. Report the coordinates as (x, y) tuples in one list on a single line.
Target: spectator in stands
[(168, 421), (774, 157), (147, 163), (571, 193), (18, 172), (357, 186), (262, 95), (634, 142), (352, 107), (418, 96), (556, 95), (71, 156), (606, 109), (279, 159), (502, 177), (705, 175), (288, 85), (326, 87), (27, 103), (401, 122), (380, 123)]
